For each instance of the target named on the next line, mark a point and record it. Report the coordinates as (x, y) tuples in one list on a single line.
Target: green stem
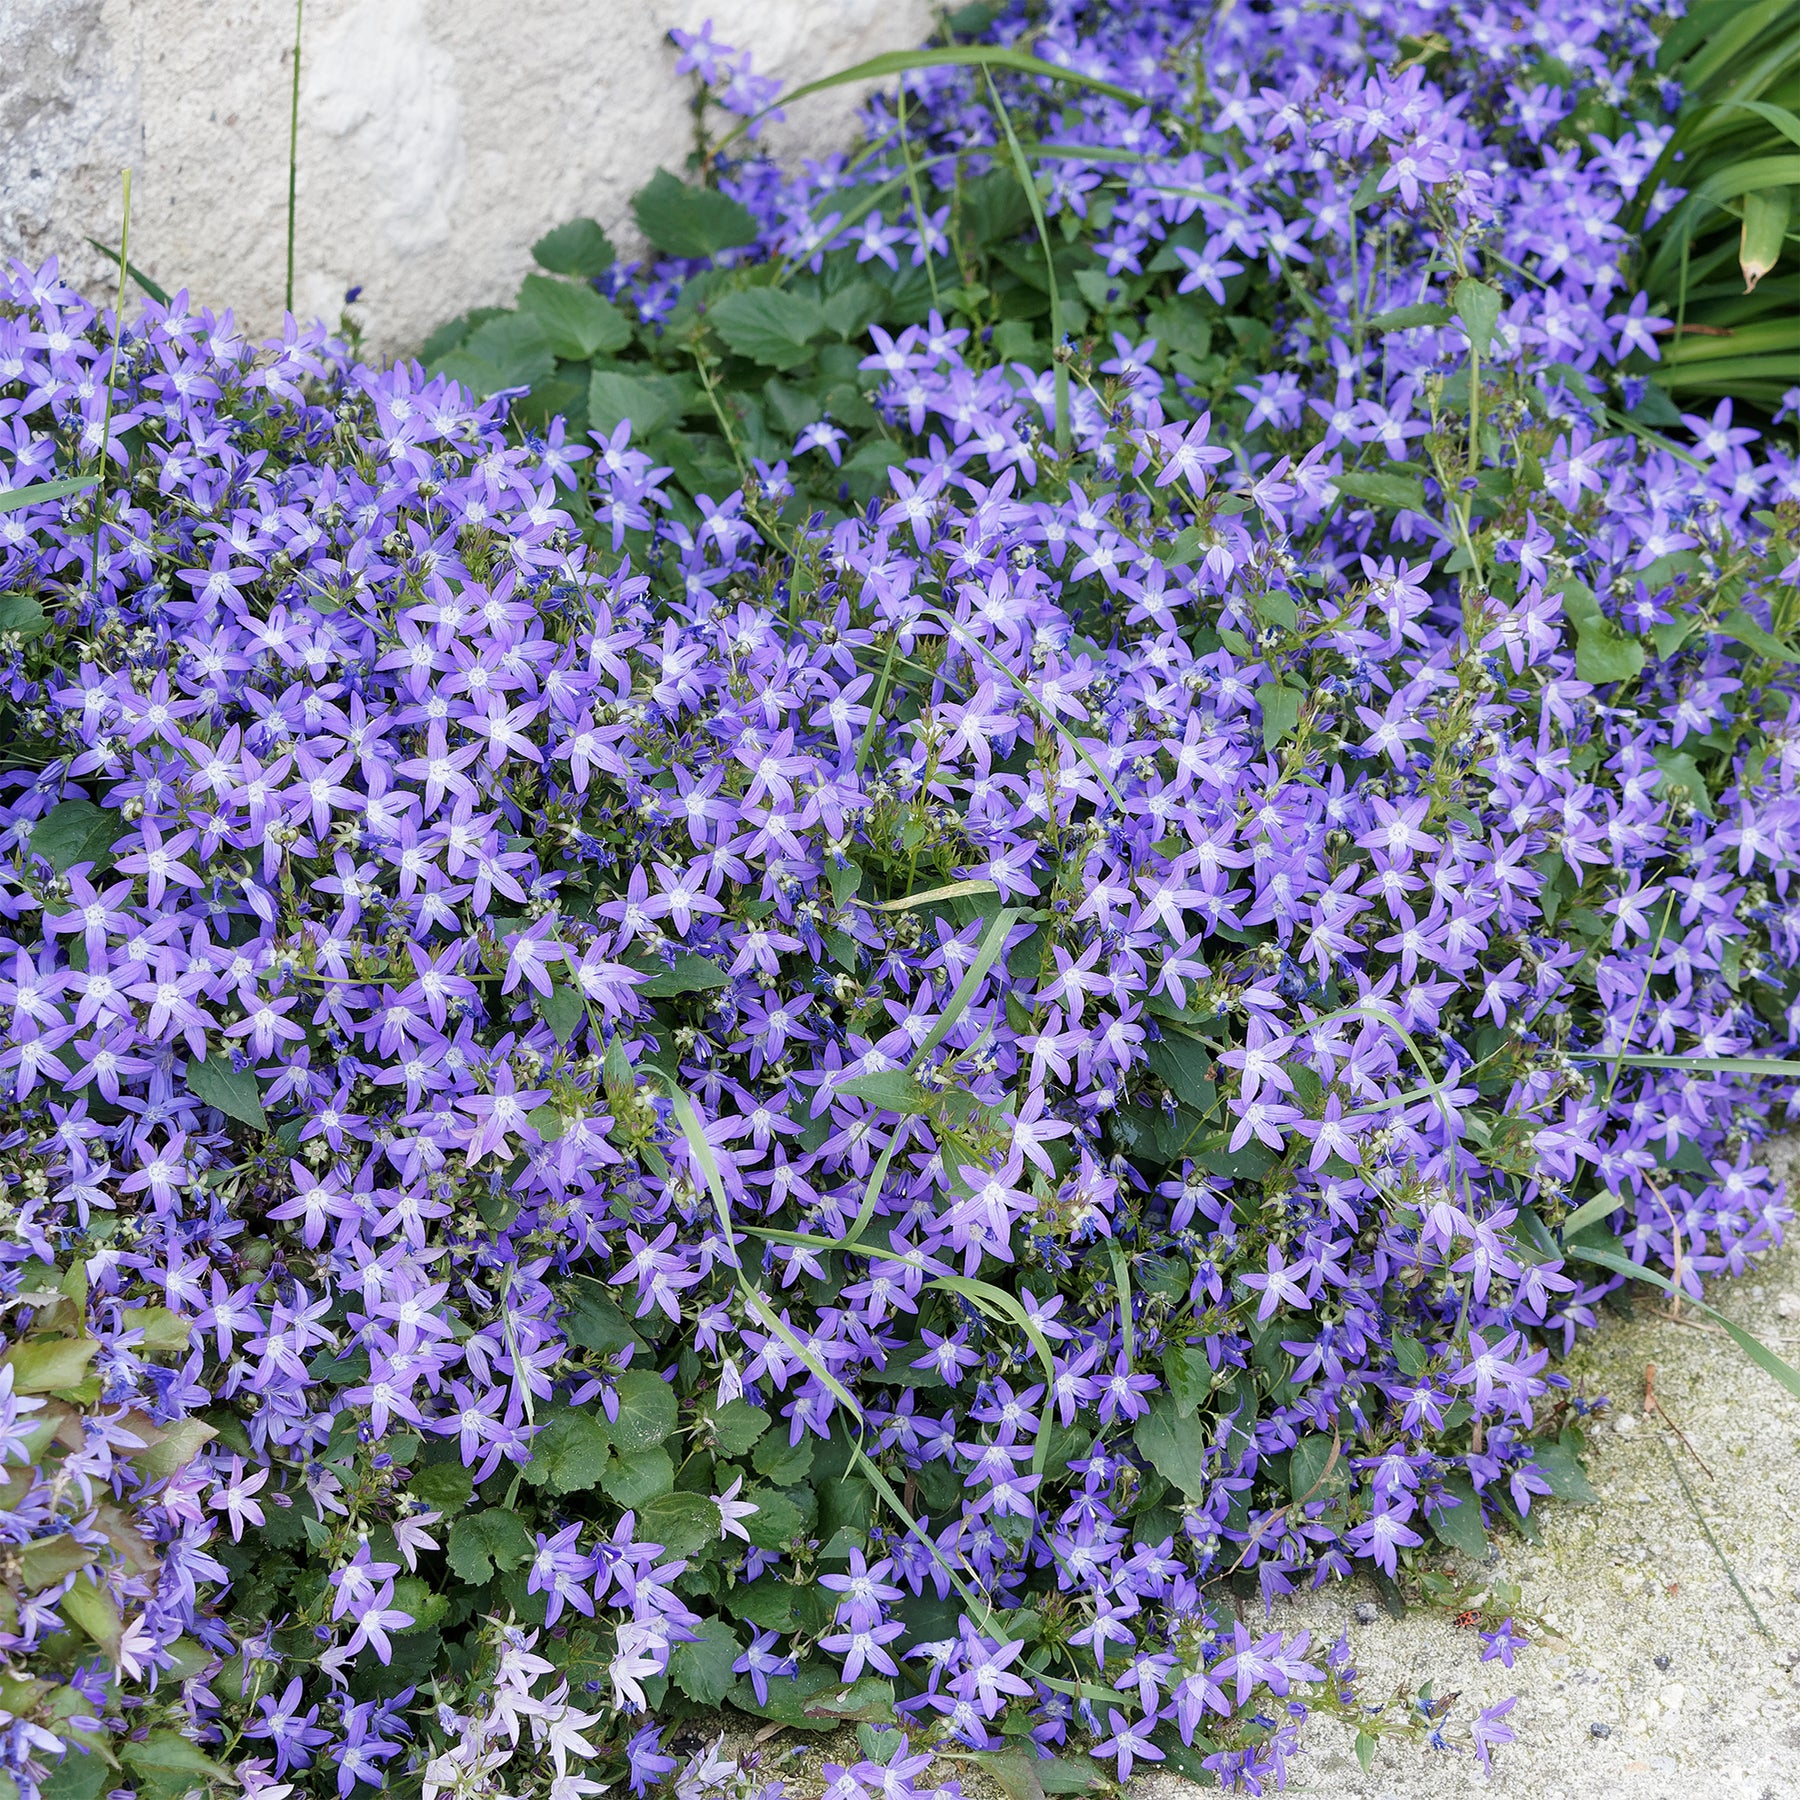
[(918, 200), (293, 151), (112, 373), (1028, 181)]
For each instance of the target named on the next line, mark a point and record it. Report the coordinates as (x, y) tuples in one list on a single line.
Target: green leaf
[(568, 1453), (165, 1753), (77, 831), (575, 321), (562, 1011), (650, 402), (24, 614), (1745, 629), (49, 1559), (1190, 1378), (1603, 653), (781, 1462), (484, 1543), (852, 309), (768, 325), (1406, 493), (691, 975), (578, 248), (768, 1603), (1559, 1465), (1315, 1472), (214, 1082), (1656, 409), (775, 1522), (180, 1444), (1404, 318), (1065, 1775), (1460, 1526), (166, 1333), (633, 1477), (40, 492), (1478, 306), (685, 221), (892, 1090), (1680, 770), (1177, 1451), (646, 1411), (1764, 231), (81, 1775), (737, 1425), (1280, 711), (817, 1700), (1757, 1351), (682, 1523), (445, 1485), (1014, 1772), (506, 352), (1183, 1066), (594, 1321), (48, 1365), (702, 1669), (1365, 1750)]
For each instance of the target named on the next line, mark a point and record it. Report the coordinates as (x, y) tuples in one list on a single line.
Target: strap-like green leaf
[(1754, 1348), (1778, 1067), (959, 56), (11, 499)]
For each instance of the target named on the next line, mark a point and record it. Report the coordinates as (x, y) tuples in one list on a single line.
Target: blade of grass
[(1706, 1531), (11, 499), (293, 151), (112, 372), (881, 687), (1778, 1067), (1753, 1347), (1121, 1269), (949, 892), (964, 56), (918, 200), (992, 944), (156, 292), (1028, 181)]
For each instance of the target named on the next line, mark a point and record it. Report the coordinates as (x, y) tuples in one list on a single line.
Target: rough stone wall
[(438, 138)]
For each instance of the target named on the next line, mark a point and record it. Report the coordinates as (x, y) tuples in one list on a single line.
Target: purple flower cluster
[(1063, 1004)]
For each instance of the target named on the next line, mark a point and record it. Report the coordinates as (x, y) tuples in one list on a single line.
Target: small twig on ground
[(1713, 1542), (1675, 1318), (1654, 1405)]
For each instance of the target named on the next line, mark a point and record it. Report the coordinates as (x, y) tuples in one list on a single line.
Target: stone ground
[(1622, 1584), (1626, 1582)]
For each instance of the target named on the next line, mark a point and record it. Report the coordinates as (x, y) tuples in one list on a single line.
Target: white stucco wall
[(438, 138)]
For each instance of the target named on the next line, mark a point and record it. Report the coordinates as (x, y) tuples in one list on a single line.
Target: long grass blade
[(155, 290), (1780, 1068), (294, 150), (41, 492), (1028, 181), (1753, 1347), (965, 56)]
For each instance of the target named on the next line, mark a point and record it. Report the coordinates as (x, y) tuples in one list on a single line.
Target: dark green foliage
[(1724, 263)]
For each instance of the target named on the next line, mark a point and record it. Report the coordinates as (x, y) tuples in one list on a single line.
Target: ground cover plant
[(668, 1070)]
